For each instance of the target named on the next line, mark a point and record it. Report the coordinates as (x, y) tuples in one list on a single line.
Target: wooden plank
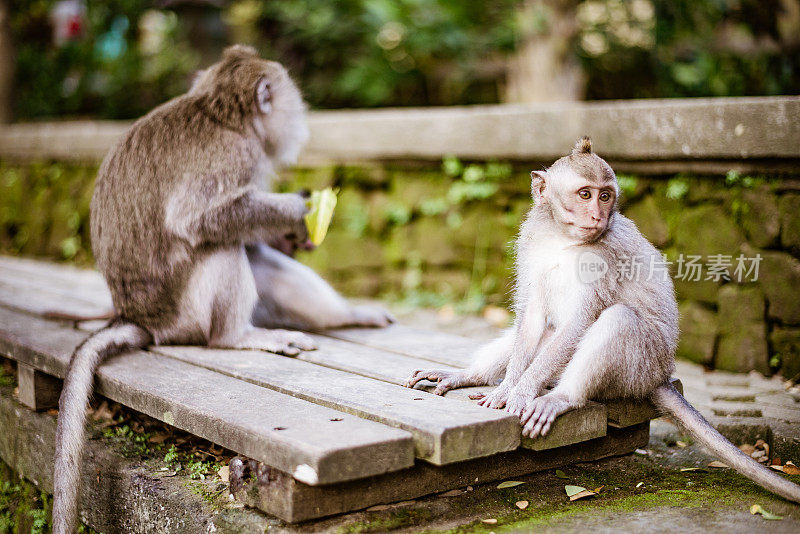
[(626, 412), (437, 347), (316, 444), (44, 271), (575, 426), (41, 287), (279, 495), (444, 431), (38, 391), (40, 301), (388, 354)]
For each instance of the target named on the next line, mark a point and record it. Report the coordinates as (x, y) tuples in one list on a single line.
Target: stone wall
[(431, 235)]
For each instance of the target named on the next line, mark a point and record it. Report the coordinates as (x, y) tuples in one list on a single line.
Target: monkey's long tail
[(116, 337), (668, 399)]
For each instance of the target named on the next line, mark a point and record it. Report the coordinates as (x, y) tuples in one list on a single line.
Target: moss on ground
[(662, 488), (393, 521)]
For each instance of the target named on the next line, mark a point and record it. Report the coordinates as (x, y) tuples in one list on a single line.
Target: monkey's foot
[(286, 342), (497, 398), (537, 414), (446, 380), (371, 316)]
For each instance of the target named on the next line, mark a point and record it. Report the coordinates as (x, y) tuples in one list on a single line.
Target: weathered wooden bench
[(330, 431)]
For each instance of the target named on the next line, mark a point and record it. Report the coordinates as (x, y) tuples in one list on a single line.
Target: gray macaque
[(596, 315), (179, 215)]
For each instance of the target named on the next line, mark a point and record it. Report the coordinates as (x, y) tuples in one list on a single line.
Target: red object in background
[(68, 18), (75, 27)]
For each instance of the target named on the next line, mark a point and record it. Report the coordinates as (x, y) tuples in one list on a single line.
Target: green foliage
[(39, 525), (685, 48), (23, 506), (44, 210), (627, 183), (735, 179), (677, 188), (380, 52), (172, 455), (130, 59)]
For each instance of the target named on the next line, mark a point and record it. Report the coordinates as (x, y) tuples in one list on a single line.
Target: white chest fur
[(549, 271)]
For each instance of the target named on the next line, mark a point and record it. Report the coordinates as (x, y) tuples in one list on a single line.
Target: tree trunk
[(545, 67), (6, 64)]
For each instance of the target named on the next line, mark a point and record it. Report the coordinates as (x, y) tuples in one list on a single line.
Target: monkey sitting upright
[(585, 321), (175, 202)]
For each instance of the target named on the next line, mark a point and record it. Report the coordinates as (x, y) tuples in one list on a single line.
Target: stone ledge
[(118, 495), (650, 135)]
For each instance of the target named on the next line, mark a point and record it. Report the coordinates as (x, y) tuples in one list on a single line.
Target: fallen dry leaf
[(561, 474), (577, 492), (521, 504), (491, 521), (681, 444), (791, 469), (640, 484), (718, 464), (747, 448), (509, 484), (641, 452), (757, 509), (476, 396), (573, 490), (777, 468), (693, 470), (223, 473), (598, 490), (451, 493), (159, 437)]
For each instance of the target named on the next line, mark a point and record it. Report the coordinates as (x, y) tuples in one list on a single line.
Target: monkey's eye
[(605, 196), (584, 194)]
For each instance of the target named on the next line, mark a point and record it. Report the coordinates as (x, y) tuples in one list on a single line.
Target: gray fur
[(610, 337), (175, 203)]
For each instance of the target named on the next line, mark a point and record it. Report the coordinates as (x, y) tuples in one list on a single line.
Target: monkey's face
[(281, 112), (583, 207)]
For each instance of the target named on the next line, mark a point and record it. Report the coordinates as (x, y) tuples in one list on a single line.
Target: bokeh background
[(119, 58), (436, 233)]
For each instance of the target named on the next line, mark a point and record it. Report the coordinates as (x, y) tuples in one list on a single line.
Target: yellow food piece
[(320, 213)]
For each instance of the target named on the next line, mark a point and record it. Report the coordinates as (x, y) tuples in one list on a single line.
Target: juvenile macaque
[(596, 315), (180, 215)]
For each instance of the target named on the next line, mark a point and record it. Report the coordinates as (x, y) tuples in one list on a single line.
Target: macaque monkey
[(179, 220), (596, 315)]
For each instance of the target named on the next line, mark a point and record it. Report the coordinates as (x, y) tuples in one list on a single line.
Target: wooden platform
[(330, 431)]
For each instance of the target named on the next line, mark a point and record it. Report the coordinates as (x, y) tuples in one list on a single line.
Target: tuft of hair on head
[(239, 51), (583, 146)]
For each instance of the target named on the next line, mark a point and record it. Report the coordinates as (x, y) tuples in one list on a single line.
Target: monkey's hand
[(498, 397), (446, 380), (537, 414), (295, 233)]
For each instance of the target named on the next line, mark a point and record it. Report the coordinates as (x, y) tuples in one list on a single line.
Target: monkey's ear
[(263, 96), (538, 183), (583, 146)]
